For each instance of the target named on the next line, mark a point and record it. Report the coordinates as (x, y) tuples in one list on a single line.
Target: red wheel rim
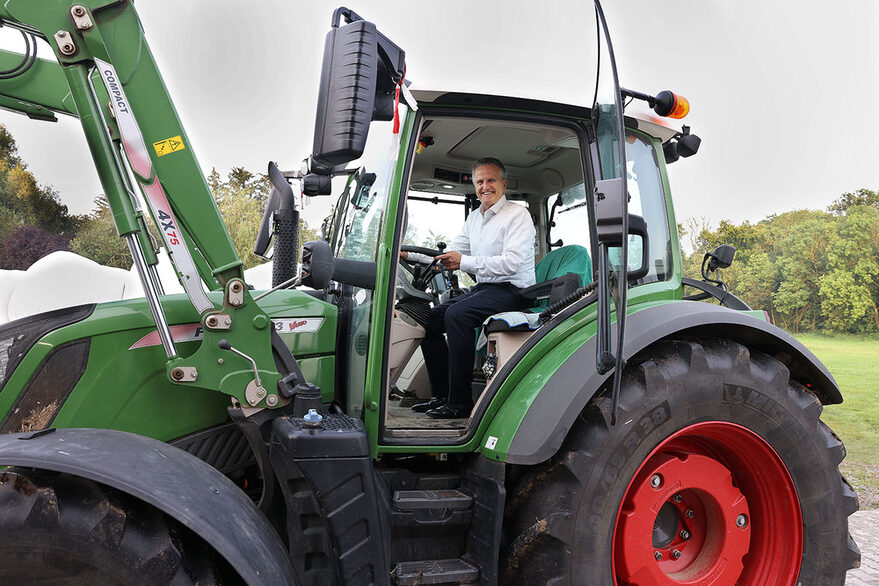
[(712, 504)]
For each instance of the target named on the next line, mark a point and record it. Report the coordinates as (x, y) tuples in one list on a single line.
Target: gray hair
[(489, 161)]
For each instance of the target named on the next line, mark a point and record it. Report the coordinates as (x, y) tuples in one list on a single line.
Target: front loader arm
[(115, 89)]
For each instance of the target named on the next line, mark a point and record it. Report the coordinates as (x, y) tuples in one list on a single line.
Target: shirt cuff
[(419, 258), (468, 263)]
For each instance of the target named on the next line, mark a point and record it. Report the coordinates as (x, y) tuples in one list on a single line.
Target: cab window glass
[(647, 200)]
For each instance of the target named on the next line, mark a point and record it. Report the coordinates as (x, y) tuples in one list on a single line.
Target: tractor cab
[(419, 201)]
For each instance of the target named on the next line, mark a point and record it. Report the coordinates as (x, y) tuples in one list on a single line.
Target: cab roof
[(652, 125)]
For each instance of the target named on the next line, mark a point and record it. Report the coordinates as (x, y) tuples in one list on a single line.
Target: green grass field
[(854, 363)]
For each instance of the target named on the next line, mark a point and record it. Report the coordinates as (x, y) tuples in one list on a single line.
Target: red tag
[(396, 109)]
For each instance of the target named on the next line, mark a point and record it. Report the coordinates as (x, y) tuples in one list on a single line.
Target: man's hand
[(450, 260), (404, 255)]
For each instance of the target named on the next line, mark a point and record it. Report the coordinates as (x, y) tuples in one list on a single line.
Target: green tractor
[(622, 433)]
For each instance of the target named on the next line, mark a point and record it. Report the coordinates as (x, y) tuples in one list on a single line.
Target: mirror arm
[(604, 358)]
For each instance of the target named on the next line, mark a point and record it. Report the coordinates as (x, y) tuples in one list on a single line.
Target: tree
[(861, 197), (850, 289), (97, 238), (241, 198), (26, 204), (25, 245)]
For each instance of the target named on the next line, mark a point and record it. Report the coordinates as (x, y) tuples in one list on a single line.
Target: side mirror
[(360, 69), (638, 229), (609, 224), (317, 264), (721, 257)]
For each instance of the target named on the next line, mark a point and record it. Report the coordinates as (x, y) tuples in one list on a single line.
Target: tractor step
[(413, 500), (456, 571)]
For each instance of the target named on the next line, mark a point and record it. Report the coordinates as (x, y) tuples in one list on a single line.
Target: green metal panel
[(43, 86), (546, 360), (530, 374), (126, 388)]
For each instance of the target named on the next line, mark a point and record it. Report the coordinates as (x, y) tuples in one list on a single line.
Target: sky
[(782, 93)]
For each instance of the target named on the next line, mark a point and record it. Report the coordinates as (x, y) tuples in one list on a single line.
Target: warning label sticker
[(169, 145)]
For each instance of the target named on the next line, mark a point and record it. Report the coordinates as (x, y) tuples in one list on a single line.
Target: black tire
[(59, 529), (563, 521)]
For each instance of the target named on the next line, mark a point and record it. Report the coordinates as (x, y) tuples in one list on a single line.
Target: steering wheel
[(422, 249), (424, 278)]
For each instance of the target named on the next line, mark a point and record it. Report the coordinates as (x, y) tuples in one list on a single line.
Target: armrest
[(538, 291)]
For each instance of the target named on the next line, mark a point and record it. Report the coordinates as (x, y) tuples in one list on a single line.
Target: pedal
[(457, 571)]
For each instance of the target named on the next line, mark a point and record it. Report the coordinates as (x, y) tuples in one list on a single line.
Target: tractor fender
[(570, 388), (171, 480)]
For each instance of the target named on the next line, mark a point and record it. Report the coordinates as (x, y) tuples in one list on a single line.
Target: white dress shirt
[(497, 245)]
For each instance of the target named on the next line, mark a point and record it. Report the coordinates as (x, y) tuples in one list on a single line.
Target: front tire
[(718, 471), (59, 529)]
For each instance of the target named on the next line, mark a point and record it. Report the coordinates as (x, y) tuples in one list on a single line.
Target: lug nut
[(675, 554), (741, 521), (657, 555), (691, 513), (656, 481), (685, 535), (677, 498)]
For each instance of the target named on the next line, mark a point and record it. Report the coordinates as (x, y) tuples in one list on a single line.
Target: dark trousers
[(450, 366)]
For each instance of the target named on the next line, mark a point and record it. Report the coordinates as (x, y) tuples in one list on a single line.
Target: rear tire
[(59, 529), (713, 441)]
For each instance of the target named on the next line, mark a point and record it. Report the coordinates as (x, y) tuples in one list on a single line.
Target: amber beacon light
[(671, 105), (665, 103)]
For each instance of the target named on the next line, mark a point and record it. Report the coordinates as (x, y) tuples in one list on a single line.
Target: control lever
[(441, 247), (225, 345), (254, 393)]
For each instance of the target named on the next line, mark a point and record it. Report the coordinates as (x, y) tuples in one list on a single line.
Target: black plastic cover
[(314, 184), (328, 481), (346, 98), (317, 264), (360, 273), (286, 223), (688, 145), (338, 436)]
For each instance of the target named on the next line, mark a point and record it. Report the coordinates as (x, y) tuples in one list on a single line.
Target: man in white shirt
[(497, 245)]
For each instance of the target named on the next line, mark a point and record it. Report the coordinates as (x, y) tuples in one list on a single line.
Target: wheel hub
[(705, 508)]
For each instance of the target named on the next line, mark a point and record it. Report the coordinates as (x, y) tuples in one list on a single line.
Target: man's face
[(489, 184)]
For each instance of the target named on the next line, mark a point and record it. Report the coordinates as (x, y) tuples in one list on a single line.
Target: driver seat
[(559, 273)]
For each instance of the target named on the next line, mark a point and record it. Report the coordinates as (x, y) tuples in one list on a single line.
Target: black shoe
[(428, 405), (451, 411)]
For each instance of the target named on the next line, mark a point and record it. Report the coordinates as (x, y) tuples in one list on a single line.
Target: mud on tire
[(59, 529), (715, 444)]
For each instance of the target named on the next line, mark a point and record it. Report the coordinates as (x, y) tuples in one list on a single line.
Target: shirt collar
[(496, 208)]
